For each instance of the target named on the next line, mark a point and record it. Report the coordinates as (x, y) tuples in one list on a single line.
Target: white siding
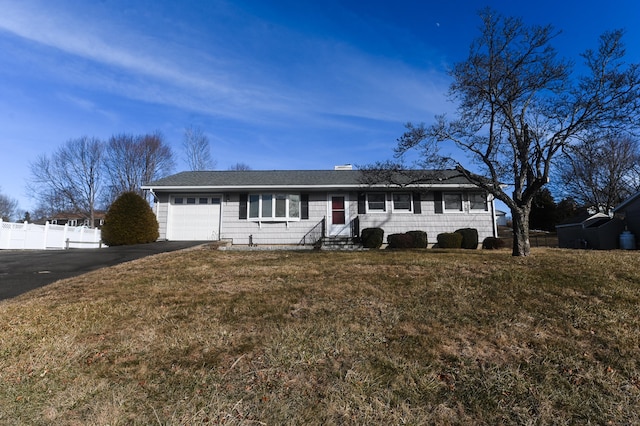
[(292, 232), (429, 221), (161, 209), (266, 233)]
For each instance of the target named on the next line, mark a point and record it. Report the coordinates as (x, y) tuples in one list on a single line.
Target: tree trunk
[(521, 244)]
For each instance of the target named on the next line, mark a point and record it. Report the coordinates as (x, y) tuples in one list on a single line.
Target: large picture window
[(274, 207), (294, 206), (267, 203), (254, 205)]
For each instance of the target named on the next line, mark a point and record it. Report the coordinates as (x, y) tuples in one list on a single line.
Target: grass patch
[(379, 337)]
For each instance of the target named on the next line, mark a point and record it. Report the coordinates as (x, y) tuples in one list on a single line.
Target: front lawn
[(379, 337)]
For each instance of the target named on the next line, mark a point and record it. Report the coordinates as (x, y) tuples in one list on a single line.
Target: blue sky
[(273, 84)]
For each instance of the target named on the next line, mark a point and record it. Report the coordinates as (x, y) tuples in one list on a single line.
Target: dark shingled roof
[(627, 202), (296, 178)]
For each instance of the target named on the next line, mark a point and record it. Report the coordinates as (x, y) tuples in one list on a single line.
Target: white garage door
[(194, 218)]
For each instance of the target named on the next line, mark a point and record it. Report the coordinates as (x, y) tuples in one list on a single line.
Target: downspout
[(156, 209), (493, 217), (155, 202)]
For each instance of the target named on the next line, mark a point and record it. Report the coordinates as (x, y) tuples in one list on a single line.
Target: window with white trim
[(294, 206), (478, 201), (376, 202), (452, 201), (274, 207), (401, 201)]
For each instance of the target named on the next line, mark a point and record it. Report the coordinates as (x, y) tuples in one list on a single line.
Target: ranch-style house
[(301, 207)]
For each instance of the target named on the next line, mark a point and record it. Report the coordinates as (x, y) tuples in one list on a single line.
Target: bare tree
[(132, 161), (157, 158), (8, 207), (600, 173), (240, 167), (196, 149), (122, 165), (71, 179), (518, 106)]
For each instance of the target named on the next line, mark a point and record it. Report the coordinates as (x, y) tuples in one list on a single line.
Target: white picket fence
[(28, 236)]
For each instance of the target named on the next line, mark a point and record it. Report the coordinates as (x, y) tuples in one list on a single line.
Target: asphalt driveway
[(24, 270)]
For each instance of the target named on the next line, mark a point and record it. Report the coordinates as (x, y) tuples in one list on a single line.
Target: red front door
[(337, 211), (339, 216)]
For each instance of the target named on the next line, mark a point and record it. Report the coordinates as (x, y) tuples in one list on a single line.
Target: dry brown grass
[(244, 338)]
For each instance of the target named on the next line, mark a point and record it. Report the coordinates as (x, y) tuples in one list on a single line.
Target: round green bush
[(450, 240), (469, 238), (492, 243), (419, 239), (400, 241), (129, 220), (372, 237)]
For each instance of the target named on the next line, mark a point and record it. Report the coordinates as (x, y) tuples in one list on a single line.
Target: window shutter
[(304, 206), (417, 208), (437, 201), (362, 203), (243, 206)]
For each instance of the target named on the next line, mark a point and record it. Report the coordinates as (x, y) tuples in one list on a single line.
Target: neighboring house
[(302, 206), (629, 213), (77, 219), (600, 231), (501, 218), (592, 231)]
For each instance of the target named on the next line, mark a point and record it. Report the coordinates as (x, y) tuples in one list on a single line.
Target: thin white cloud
[(384, 89), (89, 40), (342, 81), (159, 70), (87, 105)]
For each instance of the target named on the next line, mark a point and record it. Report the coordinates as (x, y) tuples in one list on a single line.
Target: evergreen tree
[(128, 221)]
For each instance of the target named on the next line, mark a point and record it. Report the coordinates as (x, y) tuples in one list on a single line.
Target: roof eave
[(626, 202), (196, 188)]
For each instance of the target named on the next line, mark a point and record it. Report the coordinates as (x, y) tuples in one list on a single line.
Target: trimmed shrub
[(400, 241), (469, 238), (419, 239), (450, 240), (492, 243), (372, 237), (129, 220)]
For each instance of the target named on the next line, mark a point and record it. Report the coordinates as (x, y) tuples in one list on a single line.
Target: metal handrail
[(315, 234)]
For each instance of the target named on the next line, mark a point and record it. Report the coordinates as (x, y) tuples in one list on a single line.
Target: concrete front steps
[(339, 243)]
